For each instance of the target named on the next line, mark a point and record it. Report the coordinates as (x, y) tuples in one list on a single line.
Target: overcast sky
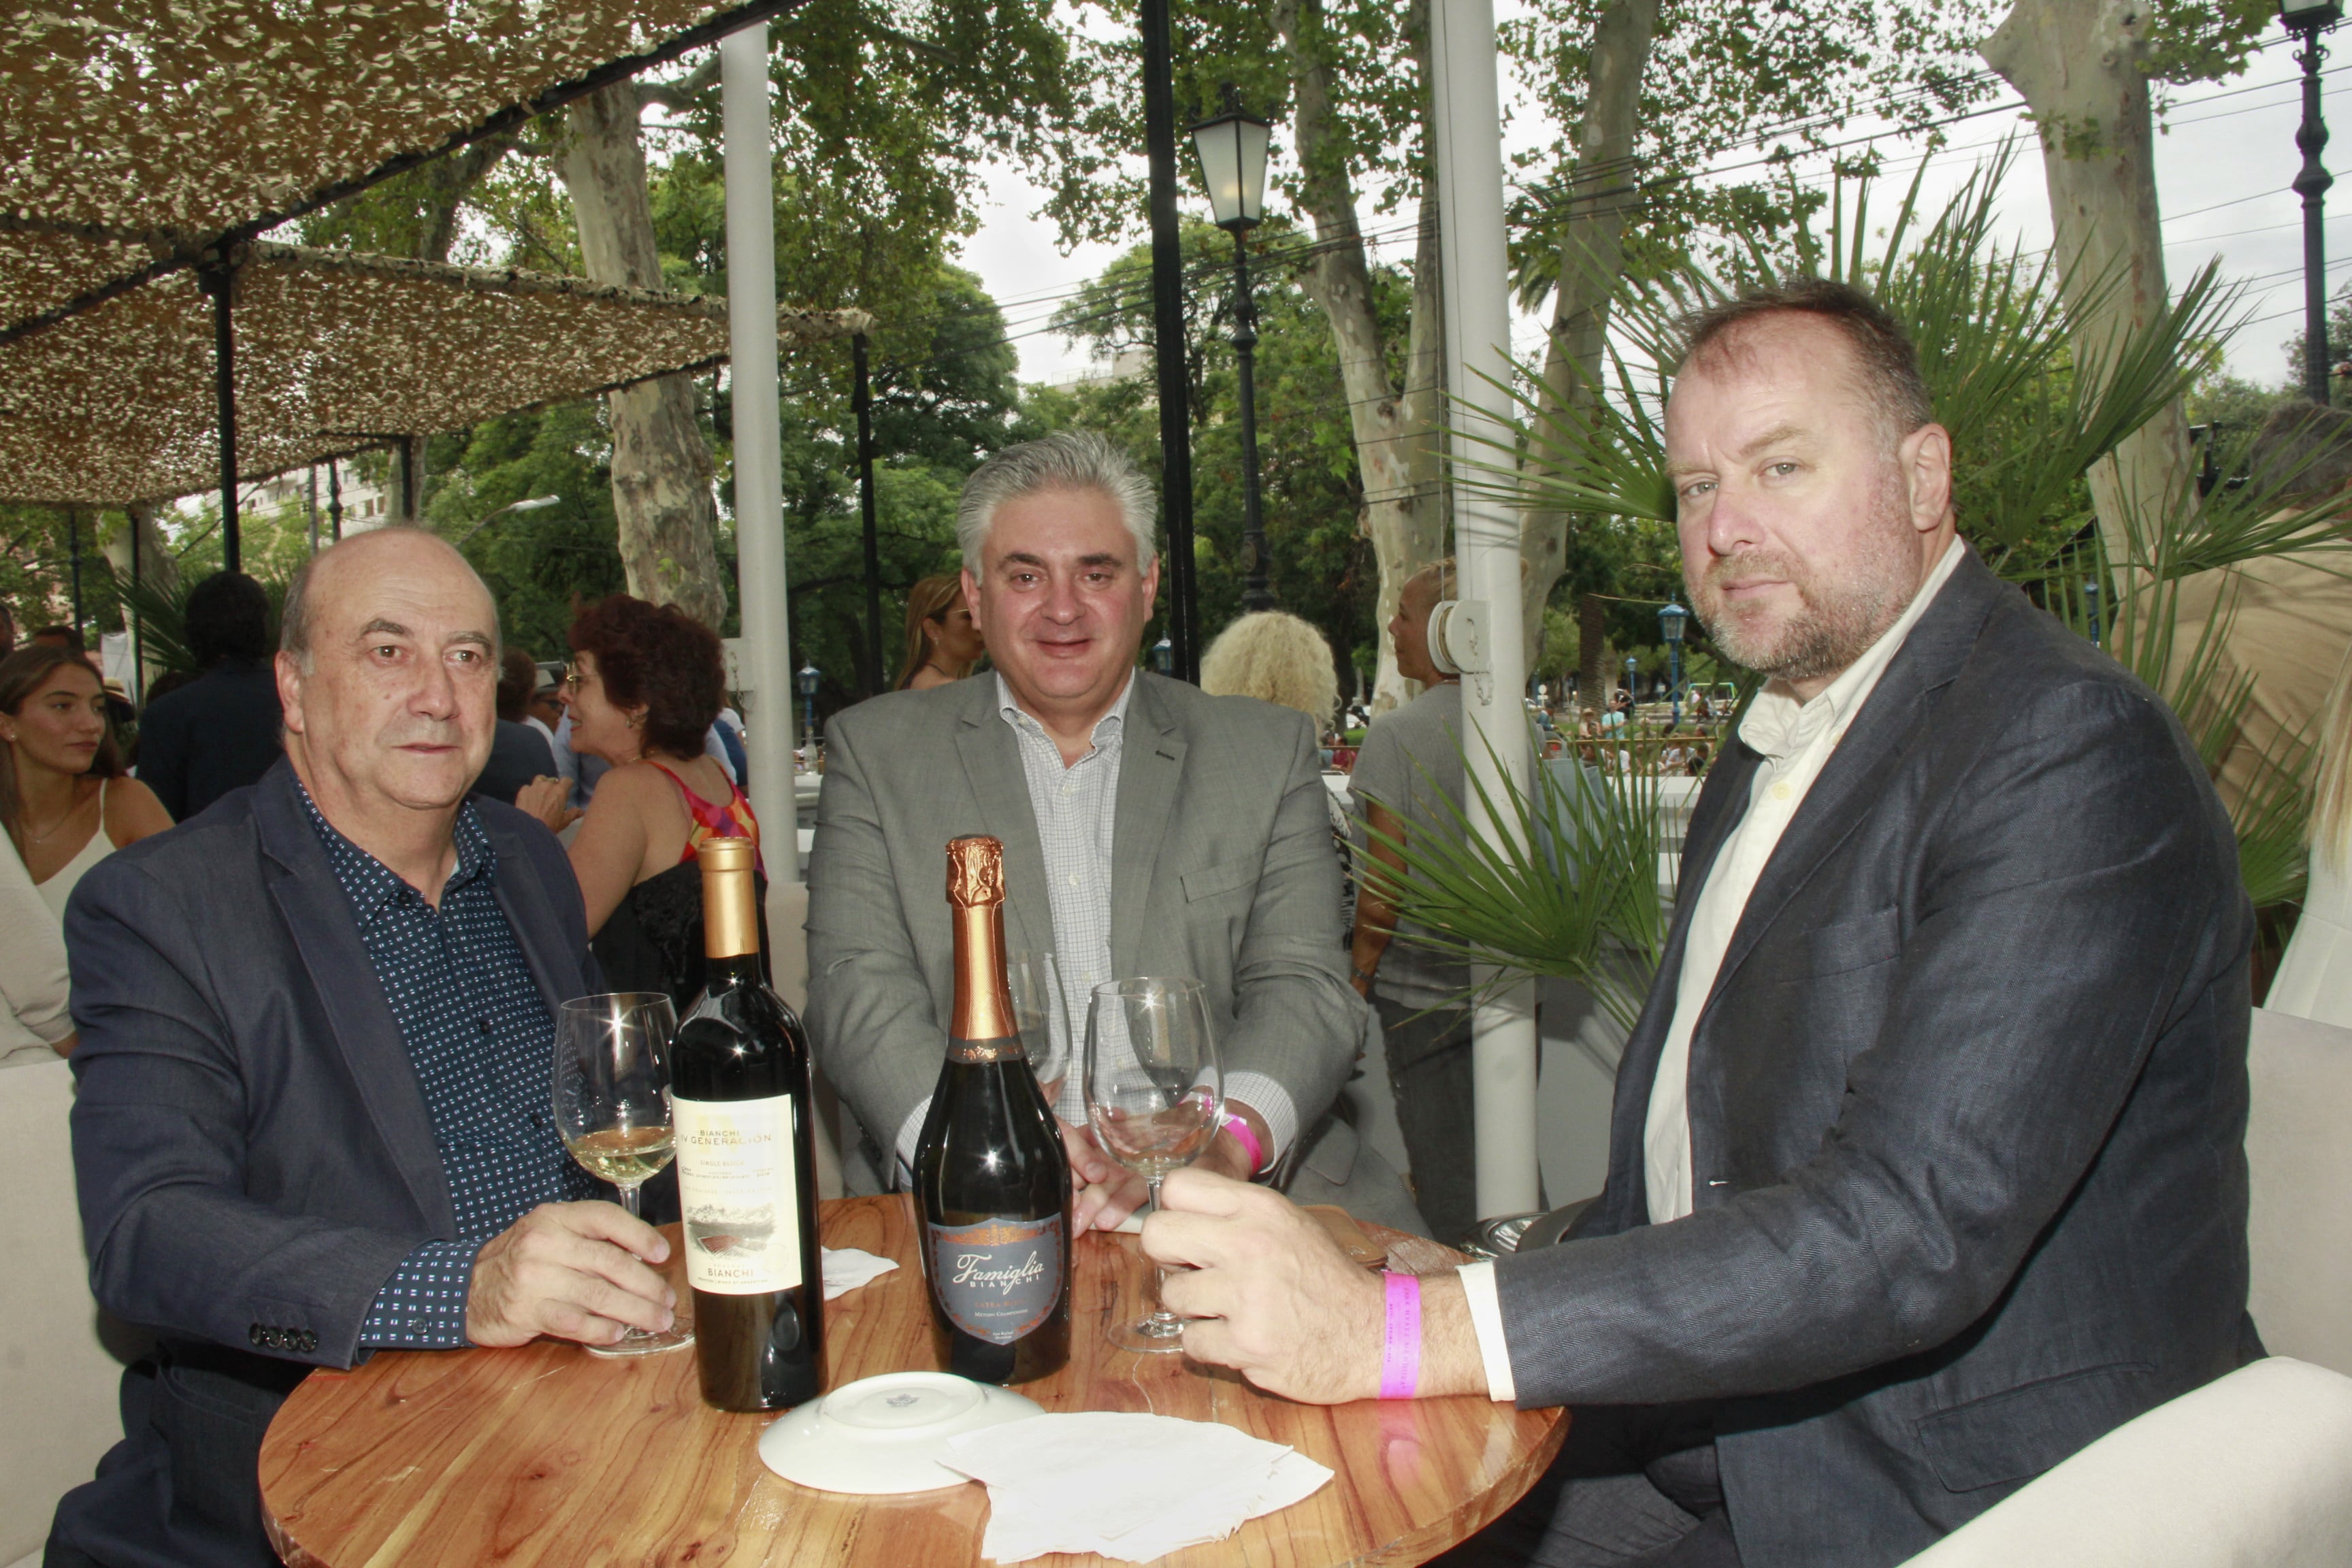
[(2223, 174)]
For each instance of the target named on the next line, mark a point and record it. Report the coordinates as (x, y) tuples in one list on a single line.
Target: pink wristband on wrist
[(1240, 1129), (1400, 1344)]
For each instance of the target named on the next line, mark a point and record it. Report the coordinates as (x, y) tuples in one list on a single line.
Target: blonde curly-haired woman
[(1279, 658)]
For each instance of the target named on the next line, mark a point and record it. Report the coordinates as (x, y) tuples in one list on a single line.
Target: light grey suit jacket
[(1221, 869)]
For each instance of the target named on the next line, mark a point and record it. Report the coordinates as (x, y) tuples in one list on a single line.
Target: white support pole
[(764, 662), (1476, 294)]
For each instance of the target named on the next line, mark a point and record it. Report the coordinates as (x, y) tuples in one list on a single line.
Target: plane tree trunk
[(2077, 64), (1592, 260), (662, 472), (1394, 427)]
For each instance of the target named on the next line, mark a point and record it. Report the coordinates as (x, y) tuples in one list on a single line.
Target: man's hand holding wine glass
[(1270, 1294), (576, 1271), (1111, 1192)]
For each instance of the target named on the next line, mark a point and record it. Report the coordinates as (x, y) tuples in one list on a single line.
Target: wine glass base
[(646, 1344), (1151, 1336)]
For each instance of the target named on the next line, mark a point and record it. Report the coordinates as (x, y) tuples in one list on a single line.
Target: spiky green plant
[(1568, 889)]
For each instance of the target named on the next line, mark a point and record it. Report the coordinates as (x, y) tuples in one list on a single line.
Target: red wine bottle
[(992, 1178), (746, 1135)]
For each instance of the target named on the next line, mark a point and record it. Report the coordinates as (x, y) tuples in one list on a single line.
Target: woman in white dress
[(2314, 973), (63, 799)]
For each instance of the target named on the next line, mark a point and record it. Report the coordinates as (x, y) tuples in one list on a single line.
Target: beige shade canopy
[(137, 131), (335, 351)]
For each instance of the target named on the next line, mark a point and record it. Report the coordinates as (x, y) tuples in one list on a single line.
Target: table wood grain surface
[(546, 1455)]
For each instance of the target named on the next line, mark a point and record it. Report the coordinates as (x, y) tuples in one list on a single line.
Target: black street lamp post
[(1232, 150), (1674, 621), (2306, 19), (806, 679)]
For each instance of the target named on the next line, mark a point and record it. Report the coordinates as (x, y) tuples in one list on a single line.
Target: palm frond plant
[(1568, 889), (162, 621), (162, 614), (2030, 416)]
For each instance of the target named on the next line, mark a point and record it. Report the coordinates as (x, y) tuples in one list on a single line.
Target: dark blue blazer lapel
[(1723, 801), (1890, 723), (318, 917)]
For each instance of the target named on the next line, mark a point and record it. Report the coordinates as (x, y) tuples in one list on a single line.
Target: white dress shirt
[(1796, 740)]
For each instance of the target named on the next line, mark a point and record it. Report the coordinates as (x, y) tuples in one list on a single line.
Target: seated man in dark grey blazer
[(1147, 829), (312, 1115), (1926, 1162)]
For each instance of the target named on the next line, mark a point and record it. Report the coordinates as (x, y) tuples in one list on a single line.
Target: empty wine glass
[(1153, 1093), (611, 1106), (1041, 1011)]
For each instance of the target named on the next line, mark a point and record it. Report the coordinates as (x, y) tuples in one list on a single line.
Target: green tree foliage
[(36, 569)]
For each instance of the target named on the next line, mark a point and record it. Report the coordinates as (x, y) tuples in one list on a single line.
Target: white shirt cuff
[(1486, 1322), (1273, 1102), (910, 1133)]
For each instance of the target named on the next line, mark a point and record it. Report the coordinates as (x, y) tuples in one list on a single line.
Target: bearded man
[(1926, 1163)]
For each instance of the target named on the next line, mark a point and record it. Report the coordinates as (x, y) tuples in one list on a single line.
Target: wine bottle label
[(1000, 1278), (739, 1184)]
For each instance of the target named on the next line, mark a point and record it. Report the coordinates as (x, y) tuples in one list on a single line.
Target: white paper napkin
[(1130, 1486), (845, 1268)]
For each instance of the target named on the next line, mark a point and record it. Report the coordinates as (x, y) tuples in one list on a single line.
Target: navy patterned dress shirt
[(482, 1041)]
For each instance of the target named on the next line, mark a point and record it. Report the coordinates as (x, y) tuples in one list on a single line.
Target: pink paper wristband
[(1401, 1346), (1240, 1129)]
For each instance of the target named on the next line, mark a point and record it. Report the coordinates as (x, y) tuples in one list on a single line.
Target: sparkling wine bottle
[(991, 1178), (745, 1133)]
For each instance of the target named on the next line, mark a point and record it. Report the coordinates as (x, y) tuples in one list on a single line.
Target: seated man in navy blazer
[(1926, 1165), (317, 1025)]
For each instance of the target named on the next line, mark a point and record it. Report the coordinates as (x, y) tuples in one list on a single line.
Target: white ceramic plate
[(887, 1434)]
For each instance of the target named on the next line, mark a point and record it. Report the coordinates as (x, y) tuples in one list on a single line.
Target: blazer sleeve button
[(255, 1332)]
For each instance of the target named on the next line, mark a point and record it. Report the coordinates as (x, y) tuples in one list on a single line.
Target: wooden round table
[(547, 1455)]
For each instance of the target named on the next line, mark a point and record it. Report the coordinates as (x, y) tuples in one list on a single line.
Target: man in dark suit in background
[(220, 731), (312, 1117), (519, 752), (1927, 1166)]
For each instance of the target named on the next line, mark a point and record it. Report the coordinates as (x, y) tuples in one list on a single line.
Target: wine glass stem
[(1159, 1312), (629, 1204)]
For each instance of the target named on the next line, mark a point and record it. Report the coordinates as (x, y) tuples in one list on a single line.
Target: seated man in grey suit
[(1926, 1163), (1147, 829), (312, 1114)]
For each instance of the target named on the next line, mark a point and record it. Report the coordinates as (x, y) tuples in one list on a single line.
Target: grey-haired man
[(311, 1118), (1149, 830)]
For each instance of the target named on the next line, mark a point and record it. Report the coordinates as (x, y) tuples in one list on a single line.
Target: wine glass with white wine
[(1154, 1092), (611, 1106)]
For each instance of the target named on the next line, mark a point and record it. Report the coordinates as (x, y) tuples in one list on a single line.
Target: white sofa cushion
[(2253, 1470)]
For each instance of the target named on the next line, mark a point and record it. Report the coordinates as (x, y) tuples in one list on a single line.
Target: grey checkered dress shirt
[(1076, 808)]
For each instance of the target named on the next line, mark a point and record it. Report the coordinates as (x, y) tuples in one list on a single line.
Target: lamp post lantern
[(1163, 656), (2306, 19), (806, 680), (1674, 621), (1233, 151)]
